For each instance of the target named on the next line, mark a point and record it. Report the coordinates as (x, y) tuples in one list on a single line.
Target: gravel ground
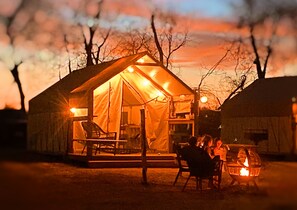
[(36, 182)]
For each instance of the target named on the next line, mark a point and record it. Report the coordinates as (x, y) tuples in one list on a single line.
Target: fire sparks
[(244, 171)]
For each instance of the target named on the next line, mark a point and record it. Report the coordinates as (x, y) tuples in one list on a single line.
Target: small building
[(262, 114), (111, 94)]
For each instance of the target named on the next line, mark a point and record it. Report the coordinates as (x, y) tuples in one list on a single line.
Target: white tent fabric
[(108, 106)]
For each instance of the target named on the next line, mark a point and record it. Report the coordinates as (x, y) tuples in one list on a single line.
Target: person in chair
[(199, 160)]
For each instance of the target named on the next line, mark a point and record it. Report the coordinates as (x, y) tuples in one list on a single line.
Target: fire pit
[(243, 164)]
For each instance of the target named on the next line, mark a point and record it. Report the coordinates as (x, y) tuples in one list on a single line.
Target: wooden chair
[(182, 164), (199, 171), (94, 131)]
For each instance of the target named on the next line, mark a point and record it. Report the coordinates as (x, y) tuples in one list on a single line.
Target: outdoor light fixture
[(73, 110), (203, 99), (130, 69), (78, 112)]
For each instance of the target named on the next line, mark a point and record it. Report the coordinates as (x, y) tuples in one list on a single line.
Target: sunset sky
[(209, 23)]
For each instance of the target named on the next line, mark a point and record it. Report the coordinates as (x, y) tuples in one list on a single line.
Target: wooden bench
[(99, 144)]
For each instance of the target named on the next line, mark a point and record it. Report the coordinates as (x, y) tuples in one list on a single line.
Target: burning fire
[(244, 171)]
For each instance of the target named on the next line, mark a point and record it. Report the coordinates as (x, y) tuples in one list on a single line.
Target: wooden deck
[(107, 160)]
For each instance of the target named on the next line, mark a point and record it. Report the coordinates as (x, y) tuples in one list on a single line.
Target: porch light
[(182, 97), (130, 69), (73, 110), (203, 99)]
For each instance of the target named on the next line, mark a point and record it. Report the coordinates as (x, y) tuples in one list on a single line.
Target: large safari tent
[(262, 114), (111, 94)]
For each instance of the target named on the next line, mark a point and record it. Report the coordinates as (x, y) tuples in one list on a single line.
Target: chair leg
[(186, 183), (176, 178)]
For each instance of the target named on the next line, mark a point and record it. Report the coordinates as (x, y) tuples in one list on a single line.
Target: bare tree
[(134, 41), (167, 41), (93, 55), (10, 33), (263, 19)]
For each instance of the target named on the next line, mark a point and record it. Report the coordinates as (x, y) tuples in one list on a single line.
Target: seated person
[(220, 149), (207, 145), (197, 158)]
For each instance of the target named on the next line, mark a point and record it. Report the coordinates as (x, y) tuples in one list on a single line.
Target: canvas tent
[(262, 114), (110, 94)]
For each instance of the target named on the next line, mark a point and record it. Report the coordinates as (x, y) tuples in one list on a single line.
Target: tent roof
[(264, 97), (89, 78)]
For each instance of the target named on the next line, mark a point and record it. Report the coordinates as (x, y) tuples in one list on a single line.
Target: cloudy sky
[(209, 23)]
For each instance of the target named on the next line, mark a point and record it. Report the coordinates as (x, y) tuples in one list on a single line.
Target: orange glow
[(182, 97), (203, 99), (73, 110), (141, 60), (244, 171), (130, 69), (145, 82), (166, 85), (153, 73)]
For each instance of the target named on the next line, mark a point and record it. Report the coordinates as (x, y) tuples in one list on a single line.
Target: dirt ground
[(34, 182)]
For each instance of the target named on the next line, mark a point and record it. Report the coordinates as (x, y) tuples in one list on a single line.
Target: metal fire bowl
[(234, 172)]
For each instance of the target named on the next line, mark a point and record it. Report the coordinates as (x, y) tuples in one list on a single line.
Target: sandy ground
[(28, 182)]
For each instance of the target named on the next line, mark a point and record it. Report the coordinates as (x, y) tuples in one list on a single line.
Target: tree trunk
[(15, 74), (159, 48)]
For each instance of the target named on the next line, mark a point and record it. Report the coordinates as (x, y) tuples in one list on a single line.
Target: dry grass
[(54, 185)]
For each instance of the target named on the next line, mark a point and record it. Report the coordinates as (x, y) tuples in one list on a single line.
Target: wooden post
[(90, 119), (196, 111), (143, 147)]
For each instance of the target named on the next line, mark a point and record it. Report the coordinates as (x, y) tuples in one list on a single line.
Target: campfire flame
[(244, 171)]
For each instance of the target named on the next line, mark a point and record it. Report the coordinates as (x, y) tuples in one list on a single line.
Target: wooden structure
[(262, 115), (111, 94)]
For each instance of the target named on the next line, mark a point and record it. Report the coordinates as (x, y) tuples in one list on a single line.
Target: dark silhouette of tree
[(91, 31), (263, 19), (160, 39), (167, 41), (15, 70)]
